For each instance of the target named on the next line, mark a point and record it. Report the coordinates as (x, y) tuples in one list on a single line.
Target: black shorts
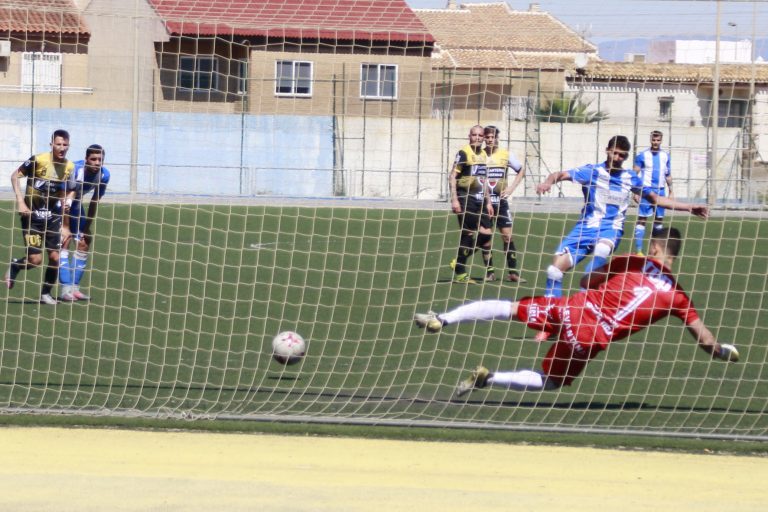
[(502, 217), (39, 229), (471, 211)]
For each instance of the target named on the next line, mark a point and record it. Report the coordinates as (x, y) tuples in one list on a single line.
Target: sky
[(606, 20)]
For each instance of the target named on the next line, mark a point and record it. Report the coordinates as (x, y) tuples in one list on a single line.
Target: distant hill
[(617, 49)]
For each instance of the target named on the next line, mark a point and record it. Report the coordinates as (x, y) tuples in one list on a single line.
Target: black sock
[(511, 255), (466, 249), (51, 276)]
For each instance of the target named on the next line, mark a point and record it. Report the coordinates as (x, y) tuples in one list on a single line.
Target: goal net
[(282, 165)]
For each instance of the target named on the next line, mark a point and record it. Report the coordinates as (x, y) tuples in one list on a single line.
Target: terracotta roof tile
[(633, 71), (335, 19), (464, 58), (50, 16), (496, 26)]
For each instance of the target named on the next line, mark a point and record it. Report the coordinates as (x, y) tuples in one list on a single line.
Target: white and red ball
[(288, 347)]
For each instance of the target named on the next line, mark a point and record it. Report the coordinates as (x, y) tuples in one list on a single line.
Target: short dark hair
[(619, 142), (64, 134), (670, 238), (492, 129), (94, 148), (657, 133)]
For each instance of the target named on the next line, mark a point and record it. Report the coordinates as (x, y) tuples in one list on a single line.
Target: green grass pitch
[(186, 299)]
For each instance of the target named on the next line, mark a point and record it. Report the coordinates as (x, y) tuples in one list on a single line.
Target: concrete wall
[(319, 156), (187, 153)]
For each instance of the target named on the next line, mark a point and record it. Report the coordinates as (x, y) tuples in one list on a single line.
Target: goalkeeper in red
[(623, 297)]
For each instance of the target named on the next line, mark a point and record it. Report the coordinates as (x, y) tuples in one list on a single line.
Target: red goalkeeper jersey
[(637, 293)]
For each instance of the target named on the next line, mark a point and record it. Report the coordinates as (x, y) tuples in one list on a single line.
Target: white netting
[(283, 165)]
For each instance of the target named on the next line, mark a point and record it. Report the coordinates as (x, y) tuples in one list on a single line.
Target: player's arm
[(453, 184), (92, 207), (553, 178), (673, 204), (520, 174), (668, 179), (638, 164), (709, 344), (65, 196), (16, 175), (98, 193)]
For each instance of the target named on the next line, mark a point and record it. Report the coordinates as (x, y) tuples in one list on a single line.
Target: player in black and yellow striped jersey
[(468, 201), (42, 206), (498, 162)]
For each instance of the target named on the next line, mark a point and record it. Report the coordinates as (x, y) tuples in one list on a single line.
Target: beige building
[(260, 57), (43, 54), (307, 58), (490, 58)]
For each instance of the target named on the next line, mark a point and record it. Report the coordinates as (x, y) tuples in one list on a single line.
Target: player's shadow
[(27, 301), (582, 405), (283, 377), (363, 397), (531, 404), (603, 406), (477, 280)]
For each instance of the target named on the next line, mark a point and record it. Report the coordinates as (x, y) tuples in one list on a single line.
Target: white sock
[(520, 380), (480, 310)]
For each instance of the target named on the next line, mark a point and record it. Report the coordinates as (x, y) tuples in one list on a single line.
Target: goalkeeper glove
[(727, 353)]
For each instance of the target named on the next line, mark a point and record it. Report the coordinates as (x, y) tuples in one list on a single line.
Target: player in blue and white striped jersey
[(653, 167), (90, 177), (608, 190)]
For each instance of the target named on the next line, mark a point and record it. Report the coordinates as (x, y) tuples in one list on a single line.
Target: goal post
[(263, 179)]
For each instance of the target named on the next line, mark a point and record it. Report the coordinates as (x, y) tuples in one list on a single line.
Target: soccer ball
[(288, 347)]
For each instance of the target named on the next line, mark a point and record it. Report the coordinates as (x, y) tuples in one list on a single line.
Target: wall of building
[(336, 88)]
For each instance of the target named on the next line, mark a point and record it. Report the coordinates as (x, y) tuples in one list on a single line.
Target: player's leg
[(50, 277), (33, 241), (479, 310), (66, 274), (566, 360), (81, 262), (561, 263), (540, 313), (658, 223), (518, 380), (52, 245), (574, 248), (470, 222), (644, 210), (521, 380), (66, 266), (602, 251), (485, 242), (504, 224)]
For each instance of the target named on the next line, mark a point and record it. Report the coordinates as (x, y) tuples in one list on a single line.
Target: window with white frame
[(242, 77), (378, 81), (41, 71), (198, 73), (293, 78)]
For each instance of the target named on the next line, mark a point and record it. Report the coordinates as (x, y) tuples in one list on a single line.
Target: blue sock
[(595, 263), (639, 235), (81, 260), (65, 268), (553, 288)]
